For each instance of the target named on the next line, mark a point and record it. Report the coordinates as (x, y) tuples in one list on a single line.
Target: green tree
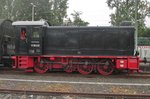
[(77, 21), (6, 7), (125, 11), (60, 10), (52, 10), (147, 32)]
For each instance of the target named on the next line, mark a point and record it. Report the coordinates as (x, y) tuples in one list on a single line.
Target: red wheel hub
[(105, 67)]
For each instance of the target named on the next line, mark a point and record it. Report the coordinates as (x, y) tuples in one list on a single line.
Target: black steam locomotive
[(41, 48)]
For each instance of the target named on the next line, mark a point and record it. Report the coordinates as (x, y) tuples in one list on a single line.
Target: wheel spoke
[(69, 68)]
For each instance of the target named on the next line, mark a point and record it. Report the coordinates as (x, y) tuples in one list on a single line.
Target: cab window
[(23, 34), (35, 33)]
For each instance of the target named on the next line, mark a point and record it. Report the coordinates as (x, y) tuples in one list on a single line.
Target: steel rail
[(47, 93), (143, 75)]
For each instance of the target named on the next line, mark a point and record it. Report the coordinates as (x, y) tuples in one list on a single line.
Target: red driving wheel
[(85, 69), (41, 68), (105, 67)]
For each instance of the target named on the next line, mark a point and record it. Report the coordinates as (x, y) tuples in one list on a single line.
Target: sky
[(96, 12)]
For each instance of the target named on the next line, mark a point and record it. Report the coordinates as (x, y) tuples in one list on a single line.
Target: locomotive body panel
[(107, 41)]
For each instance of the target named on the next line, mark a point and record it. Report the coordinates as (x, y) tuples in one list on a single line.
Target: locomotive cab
[(29, 37)]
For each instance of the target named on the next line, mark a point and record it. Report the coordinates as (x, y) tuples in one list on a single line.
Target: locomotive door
[(35, 43), (22, 40)]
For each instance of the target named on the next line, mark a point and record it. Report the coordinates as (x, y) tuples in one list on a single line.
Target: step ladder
[(25, 62), (22, 61)]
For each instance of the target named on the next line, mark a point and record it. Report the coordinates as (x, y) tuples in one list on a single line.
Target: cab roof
[(40, 23)]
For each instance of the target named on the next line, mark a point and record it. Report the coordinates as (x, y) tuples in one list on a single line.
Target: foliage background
[(54, 11), (125, 11)]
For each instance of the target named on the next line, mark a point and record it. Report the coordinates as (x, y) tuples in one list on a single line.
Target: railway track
[(26, 94), (64, 74), (51, 80)]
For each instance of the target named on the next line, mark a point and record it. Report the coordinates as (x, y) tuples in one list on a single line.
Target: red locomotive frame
[(105, 65)]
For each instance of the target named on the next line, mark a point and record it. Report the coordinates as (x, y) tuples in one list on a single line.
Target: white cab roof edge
[(42, 23)]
